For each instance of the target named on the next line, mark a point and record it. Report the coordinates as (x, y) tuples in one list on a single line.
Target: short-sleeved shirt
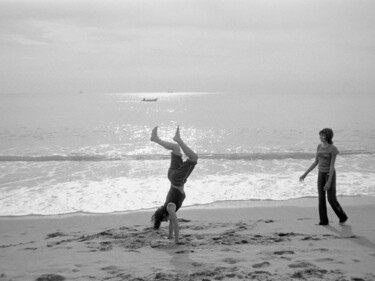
[(325, 155)]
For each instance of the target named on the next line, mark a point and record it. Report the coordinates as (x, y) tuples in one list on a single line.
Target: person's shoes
[(344, 220), (323, 223)]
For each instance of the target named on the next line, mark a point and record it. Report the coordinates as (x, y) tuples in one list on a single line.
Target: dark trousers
[(331, 194)]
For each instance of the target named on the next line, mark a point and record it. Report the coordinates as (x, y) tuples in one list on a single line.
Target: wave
[(53, 158), (142, 157), (214, 204)]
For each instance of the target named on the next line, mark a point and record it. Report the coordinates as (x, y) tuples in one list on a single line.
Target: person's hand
[(302, 178), (327, 186)]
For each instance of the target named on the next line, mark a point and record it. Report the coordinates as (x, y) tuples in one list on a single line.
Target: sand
[(224, 241)]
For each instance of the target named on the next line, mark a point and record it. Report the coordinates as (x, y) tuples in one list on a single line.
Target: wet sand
[(224, 241)]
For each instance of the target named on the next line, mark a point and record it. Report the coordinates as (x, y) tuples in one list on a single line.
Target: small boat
[(144, 99)]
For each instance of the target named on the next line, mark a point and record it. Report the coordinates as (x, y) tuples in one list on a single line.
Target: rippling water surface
[(91, 152)]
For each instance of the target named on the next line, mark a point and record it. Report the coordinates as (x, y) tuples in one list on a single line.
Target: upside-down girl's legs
[(187, 150), (167, 145)]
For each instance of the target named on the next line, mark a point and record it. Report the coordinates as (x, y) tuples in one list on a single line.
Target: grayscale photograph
[(185, 140)]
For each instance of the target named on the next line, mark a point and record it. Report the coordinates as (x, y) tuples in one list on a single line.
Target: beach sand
[(225, 241)]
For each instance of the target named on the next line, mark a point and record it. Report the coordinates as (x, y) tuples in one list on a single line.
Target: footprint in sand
[(197, 227), (324, 260), (261, 265), (258, 275), (30, 249), (50, 277), (55, 234), (230, 250), (184, 251), (111, 269), (199, 237), (3, 277), (160, 244), (241, 226), (302, 264), (231, 260), (286, 258), (309, 238), (197, 264), (329, 260), (311, 272), (320, 250), (283, 253)]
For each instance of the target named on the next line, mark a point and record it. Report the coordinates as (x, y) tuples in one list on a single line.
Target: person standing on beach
[(178, 173), (326, 158)]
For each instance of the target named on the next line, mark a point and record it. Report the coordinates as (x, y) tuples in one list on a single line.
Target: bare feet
[(177, 136), (154, 134)]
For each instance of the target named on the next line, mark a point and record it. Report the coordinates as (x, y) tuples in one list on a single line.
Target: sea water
[(90, 152)]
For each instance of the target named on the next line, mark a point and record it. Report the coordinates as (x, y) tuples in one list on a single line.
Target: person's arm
[(171, 208), (331, 171), (312, 167)]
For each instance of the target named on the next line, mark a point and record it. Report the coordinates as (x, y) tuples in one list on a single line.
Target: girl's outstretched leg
[(187, 150), (167, 145)]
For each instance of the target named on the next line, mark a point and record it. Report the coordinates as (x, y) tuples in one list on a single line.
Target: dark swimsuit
[(178, 173), (176, 197)]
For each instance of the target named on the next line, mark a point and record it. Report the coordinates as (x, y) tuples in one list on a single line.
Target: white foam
[(143, 184)]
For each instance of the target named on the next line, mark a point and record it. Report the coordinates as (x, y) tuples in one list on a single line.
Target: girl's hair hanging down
[(158, 216), (328, 134)]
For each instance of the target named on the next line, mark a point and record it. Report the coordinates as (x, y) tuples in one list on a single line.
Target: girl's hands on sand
[(302, 178)]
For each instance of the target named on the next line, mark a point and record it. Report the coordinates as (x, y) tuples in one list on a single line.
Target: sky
[(68, 46)]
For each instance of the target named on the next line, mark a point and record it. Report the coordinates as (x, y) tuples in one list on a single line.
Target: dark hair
[(158, 216), (328, 133)]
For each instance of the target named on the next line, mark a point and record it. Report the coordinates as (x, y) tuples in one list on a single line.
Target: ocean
[(91, 153)]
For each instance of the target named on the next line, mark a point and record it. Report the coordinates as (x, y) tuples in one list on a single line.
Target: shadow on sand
[(347, 232)]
